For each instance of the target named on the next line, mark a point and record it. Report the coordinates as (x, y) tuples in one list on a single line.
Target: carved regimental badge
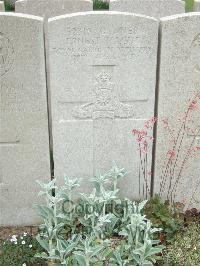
[(106, 103)]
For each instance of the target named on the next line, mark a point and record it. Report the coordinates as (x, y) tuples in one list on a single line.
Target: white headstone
[(24, 139), (52, 8), (2, 8), (177, 171), (152, 8), (197, 5), (102, 74)]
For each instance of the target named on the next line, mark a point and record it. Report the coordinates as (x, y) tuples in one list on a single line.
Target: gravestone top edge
[(22, 15), (180, 16), (106, 13)]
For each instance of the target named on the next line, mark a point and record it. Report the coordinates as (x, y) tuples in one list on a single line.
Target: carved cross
[(104, 110), (8, 140), (9, 143), (106, 103)]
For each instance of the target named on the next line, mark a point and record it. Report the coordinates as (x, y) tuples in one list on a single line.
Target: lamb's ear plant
[(90, 252), (65, 249), (98, 220), (139, 234), (53, 217), (92, 211), (120, 255), (99, 181), (116, 174), (89, 239)]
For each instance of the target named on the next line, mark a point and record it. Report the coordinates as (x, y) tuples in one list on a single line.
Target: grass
[(189, 5), (98, 5), (9, 7)]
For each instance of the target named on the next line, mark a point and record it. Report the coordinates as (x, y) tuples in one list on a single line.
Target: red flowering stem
[(141, 162), (174, 164), (170, 182), (147, 189), (179, 148), (139, 181), (164, 177), (183, 164), (145, 160)]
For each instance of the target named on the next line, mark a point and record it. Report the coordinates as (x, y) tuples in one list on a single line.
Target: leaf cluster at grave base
[(162, 215), (105, 230)]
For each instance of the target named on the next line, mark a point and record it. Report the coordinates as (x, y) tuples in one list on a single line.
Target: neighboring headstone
[(177, 168), (152, 8), (52, 8), (2, 8), (197, 5), (24, 139), (102, 74)]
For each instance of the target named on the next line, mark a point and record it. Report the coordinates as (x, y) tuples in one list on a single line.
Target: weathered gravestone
[(24, 140), (177, 171), (102, 74), (2, 8), (153, 8), (197, 5), (52, 8)]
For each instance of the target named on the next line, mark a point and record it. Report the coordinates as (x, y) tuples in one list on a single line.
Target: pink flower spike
[(143, 133), (153, 120), (193, 105), (171, 153), (139, 139), (135, 132), (165, 121)]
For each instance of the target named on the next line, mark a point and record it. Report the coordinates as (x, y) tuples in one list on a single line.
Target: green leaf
[(43, 243), (154, 251), (80, 259), (41, 255), (44, 211)]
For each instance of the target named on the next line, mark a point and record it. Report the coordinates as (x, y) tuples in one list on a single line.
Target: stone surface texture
[(102, 78), (177, 158), (152, 8), (52, 8), (2, 8), (24, 139)]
